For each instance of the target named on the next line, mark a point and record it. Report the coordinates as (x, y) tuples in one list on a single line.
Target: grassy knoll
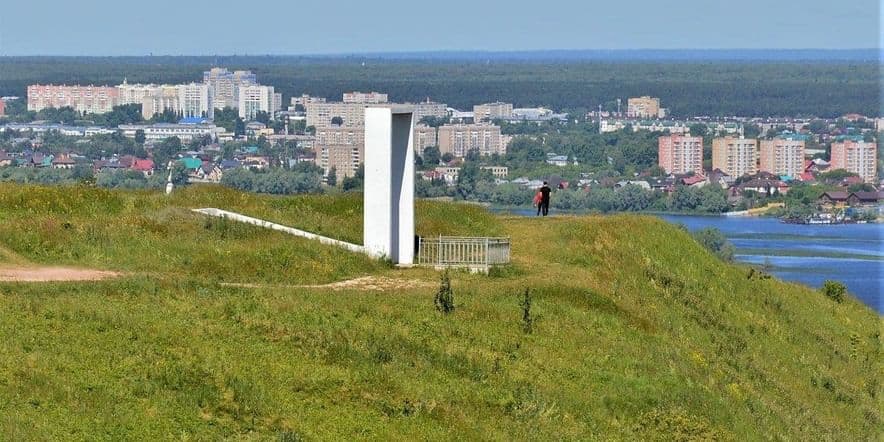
[(638, 333)]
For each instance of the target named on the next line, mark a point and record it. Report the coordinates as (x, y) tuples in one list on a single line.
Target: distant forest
[(715, 88)]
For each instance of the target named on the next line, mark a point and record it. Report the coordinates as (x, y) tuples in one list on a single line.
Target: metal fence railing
[(456, 251)]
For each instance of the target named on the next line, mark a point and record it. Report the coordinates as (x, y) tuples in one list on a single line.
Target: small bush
[(444, 299), (834, 290), (715, 241)]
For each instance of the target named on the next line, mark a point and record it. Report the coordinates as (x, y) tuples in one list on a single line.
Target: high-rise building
[(255, 98), (225, 85), (458, 139), (643, 107), (195, 100), (680, 154), (424, 137), (735, 156), (85, 99), (339, 147), (857, 156), (492, 111), (133, 93), (365, 97), (160, 99), (782, 156)]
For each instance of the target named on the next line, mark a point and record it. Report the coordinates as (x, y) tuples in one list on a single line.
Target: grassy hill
[(638, 333)]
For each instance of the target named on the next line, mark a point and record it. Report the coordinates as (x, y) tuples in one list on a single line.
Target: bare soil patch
[(50, 274), (364, 283)]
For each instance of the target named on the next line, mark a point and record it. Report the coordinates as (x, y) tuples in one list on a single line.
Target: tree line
[(688, 88)]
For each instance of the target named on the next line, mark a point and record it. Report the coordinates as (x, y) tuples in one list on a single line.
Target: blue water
[(850, 253)]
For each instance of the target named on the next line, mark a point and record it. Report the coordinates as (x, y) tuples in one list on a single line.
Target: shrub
[(444, 298), (834, 290), (715, 241), (527, 318)]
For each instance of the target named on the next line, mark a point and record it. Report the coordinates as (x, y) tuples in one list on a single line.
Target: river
[(809, 254)]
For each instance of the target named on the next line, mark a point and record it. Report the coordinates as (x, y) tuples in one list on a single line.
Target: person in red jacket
[(544, 199), (538, 198)]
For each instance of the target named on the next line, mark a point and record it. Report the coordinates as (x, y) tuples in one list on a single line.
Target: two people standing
[(541, 199)]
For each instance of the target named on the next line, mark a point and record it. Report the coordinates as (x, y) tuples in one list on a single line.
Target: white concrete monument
[(388, 217)]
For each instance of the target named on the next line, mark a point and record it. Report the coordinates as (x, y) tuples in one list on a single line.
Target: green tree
[(139, 136), (432, 156), (332, 178)]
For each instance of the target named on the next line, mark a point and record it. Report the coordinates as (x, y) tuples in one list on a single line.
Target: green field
[(639, 333)]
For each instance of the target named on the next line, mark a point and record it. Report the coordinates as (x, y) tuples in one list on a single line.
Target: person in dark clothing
[(544, 198)]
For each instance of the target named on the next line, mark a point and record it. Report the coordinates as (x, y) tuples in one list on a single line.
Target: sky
[(298, 27)]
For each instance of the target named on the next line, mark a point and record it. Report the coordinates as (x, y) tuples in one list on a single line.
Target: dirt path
[(365, 283), (50, 274)]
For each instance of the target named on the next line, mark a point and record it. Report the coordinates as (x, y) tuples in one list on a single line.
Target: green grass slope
[(639, 333)]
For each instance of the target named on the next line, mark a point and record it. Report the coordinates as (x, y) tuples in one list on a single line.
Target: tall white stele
[(388, 227)]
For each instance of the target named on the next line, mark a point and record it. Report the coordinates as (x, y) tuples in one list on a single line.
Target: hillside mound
[(636, 332)]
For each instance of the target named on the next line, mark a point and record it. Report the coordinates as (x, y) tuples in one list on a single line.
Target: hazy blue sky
[(113, 27)]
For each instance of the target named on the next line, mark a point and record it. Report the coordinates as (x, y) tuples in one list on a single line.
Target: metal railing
[(457, 251)]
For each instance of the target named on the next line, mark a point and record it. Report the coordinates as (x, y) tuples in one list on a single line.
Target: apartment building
[(735, 156), (196, 100), (133, 93), (458, 139), (365, 97), (492, 111), (643, 107), (783, 156), (340, 147), (424, 137), (255, 98), (857, 156), (304, 99), (429, 109), (158, 100), (84, 99), (225, 85), (321, 114), (680, 154)]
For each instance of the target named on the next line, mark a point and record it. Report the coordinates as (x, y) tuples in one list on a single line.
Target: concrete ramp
[(270, 225)]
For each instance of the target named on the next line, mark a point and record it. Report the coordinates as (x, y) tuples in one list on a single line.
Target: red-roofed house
[(806, 177), (144, 166), (695, 180)]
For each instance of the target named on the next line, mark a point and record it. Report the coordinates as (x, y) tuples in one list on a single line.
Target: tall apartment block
[(458, 139), (225, 85), (492, 111), (855, 156), (643, 107), (196, 100), (84, 99), (340, 147), (160, 99), (782, 156), (424, 137), (256, 98), (735, 156), (680, 154)]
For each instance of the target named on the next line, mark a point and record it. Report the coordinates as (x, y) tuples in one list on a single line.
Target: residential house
[(833, 199)]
